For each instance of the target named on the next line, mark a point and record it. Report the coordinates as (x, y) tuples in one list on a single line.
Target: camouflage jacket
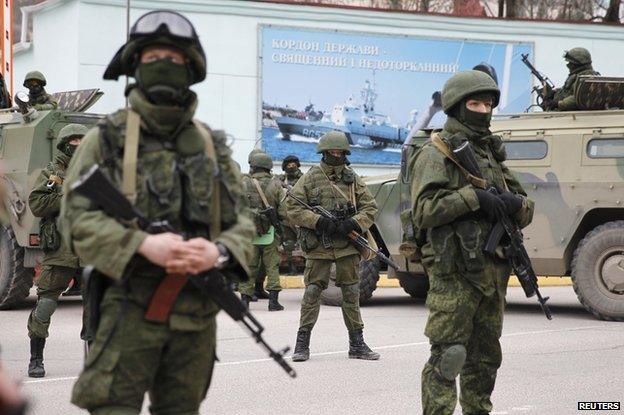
[(564, 96), (290, 180), (43, 101), (331, 188), (45, 201), (175, 182), (274, 194), (451, 231)]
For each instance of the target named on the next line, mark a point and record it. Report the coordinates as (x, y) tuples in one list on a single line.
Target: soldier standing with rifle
[(59, 264), (452, 217), (338, 189), (292, 173), (156, 332), (264, 196)]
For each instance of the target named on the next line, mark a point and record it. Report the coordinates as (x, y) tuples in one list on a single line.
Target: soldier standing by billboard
[(292, 173)]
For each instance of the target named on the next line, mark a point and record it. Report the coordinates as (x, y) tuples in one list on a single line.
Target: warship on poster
[(358, 119)]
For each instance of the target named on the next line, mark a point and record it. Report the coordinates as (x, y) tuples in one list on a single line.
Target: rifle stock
[(97, 187)]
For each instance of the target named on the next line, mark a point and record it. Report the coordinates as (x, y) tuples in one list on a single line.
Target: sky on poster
[(399, 91)]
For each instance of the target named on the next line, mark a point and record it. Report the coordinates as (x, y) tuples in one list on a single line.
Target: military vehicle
[(27, 143), (572, 165)]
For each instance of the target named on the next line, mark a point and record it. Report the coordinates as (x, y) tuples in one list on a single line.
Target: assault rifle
[(354, 237), (271, 214), (513, 248), (545, 94), (97, 187)]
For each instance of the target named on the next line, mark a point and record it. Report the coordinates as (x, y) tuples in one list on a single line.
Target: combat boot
[(274, 305), (302, 348), (35, 367), (358, 349), (259, 291), (246, 299)]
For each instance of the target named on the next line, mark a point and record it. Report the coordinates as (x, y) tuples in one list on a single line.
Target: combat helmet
[(254, 151), (159, 27), (578, 56), (37, 76), (260, 159), (467, 83), (70, 130), (333, 140), (290, 159)]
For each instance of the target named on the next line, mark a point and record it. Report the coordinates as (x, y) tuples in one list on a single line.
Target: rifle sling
[(131, 149), (169, 288), (265, 202), (444, 149)]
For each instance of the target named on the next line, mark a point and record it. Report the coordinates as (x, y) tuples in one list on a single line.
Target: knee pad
[(44, 309), (312, 293), (350, 293), (451, 362)]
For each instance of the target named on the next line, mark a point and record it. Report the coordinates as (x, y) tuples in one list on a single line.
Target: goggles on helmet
[(160, 21)]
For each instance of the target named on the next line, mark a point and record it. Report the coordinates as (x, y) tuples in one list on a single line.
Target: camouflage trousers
[(265, 259), (131, 356), (460, 315), (53, 280), (316, 279)]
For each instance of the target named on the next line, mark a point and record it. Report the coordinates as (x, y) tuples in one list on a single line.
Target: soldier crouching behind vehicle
[(60, 266), (334, 186), (452, 219), (171, 168)]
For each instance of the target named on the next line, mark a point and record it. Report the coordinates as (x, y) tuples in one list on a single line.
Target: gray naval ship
[(358, 120)]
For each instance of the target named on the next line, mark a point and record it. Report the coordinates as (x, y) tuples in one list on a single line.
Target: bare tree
[(613, 11)]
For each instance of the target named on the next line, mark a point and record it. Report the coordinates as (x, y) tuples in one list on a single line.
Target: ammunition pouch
[(308, 239), (261, 222), (50, 238)]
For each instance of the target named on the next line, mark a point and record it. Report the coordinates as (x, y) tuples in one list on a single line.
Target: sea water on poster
[(329, 69)]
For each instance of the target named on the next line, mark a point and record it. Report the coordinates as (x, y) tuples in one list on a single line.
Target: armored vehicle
[(572, 165), (27, 143)]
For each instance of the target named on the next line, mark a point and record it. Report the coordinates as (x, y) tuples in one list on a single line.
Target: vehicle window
[(526, 150), (606, 148)]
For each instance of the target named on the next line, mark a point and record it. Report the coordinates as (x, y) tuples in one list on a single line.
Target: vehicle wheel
[(415, 285), (15, 280), (369, 275), (598, 271)]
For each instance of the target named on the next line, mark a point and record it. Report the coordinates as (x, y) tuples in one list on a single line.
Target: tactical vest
[(255, 202)]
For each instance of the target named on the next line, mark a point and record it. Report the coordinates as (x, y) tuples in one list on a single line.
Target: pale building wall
[(74, 40)]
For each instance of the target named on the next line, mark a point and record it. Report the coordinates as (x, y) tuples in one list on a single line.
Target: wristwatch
[(224, 256)]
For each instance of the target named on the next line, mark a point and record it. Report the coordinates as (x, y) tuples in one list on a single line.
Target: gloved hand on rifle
[(346, 226), (513, 202), (326, 226), (492, 205)]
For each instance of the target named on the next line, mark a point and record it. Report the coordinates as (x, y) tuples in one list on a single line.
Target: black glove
[(513, 202), (326, 226), (492, 205), (346, 226)]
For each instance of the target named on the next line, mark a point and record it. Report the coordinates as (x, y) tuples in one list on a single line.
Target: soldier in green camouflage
[(336, 187), (579, 62), (452, 219), (38, 98), (261, 189), (59, 265), (171, 168), (292, 173)]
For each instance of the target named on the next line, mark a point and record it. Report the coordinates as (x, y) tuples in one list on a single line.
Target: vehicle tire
[(416, 285), (597, 276), (369, 275), (15, 280)]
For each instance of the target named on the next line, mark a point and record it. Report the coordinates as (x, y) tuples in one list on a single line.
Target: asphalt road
[(548, 366)]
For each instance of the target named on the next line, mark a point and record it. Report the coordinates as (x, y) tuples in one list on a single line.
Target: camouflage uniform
[(466, 298), (289, 239), (39, 99), (579, 63), (175, 181), (59, 265), (333, 187), (266, 258)]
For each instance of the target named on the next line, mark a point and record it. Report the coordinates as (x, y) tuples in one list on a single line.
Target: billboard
[(375, 88)]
